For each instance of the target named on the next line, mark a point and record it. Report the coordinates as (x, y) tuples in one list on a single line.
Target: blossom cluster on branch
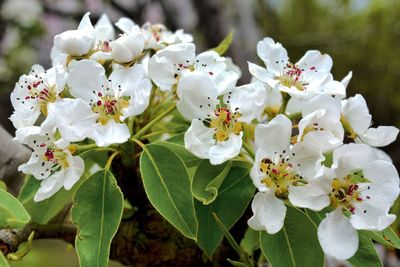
[(309, 146)]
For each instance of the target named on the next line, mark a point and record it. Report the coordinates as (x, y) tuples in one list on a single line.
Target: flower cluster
[(314, 148), (327, 159)]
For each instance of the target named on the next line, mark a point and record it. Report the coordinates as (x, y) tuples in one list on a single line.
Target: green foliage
[(42, 212), (97, 212), (234, 196), (3, 186), (250, 241), (224, 45), (296, 244), (386, 237), (167, 185), (3, 261), (366, 255), (207, 180), (12, 212)]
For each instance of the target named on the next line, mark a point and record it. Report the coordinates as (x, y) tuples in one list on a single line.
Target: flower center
[(109, 108), (55, 156), (41, 93), (279, 175), (225, 122), (292, 76), (345, 193)]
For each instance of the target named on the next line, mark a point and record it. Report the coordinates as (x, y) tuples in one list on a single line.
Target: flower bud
[(127, 47)]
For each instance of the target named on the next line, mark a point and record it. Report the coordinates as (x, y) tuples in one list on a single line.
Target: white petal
[(249, 100), (346, 80), (274, 136), (198, 95), (104, 30), (351, 157), (355, 110), (127, 47), (256, 174), (50, 186), (273, 54), (308, 158), (199, 139), (85, 77), (329, 104), (23, 135), (73, 118), (111, 133), (337, 237), (369, 217), (226, 150), (269, 212), (314, 64), (73, 172), (381, 136), (125, 24), (380, 171), (314, 195)]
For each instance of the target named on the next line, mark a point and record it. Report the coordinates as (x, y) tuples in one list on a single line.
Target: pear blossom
[(102, 104), (77, 42), (363, 188), (51, 162), (322, 113), (156, 36), (168, 64), (308, 77), (216, 131), (357, 120), (282, 171), (33, 92)]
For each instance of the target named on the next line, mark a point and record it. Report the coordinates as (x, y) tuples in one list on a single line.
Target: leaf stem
[(248, 149), (110, 159), (148, 126), (285, 100)]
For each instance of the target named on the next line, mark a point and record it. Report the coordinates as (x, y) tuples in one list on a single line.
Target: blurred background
[(360, 35)]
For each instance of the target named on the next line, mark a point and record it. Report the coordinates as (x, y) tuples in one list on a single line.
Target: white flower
[(357, 119), (322, 113), (77, 42), (109, 101), (282, 172), (168, 65), (50, 162), (33, 92), (128, 46), (309, 77), (156, 35), (216, 130), (363, 188)]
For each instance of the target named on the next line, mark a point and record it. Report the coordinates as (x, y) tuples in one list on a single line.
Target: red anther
[(49, 154), (355, 186), (27, 97), (29, 87), (312, 68), (352, 209), (42, 145), (180, 65), (99, 94), (290, 165), (211, 73), (286, 174), (359, 199), (276, 171), (99, 103)]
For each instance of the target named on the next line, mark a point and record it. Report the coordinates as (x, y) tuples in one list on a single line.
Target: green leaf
[(12, 212), (43, 211), (237, 263), (207, 180), (366, 255), (3, 186), (234, 196), (224, 45), (386, 237), (295, 245), (167, 185), (250, 241), (97, 212), (3, 261)]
